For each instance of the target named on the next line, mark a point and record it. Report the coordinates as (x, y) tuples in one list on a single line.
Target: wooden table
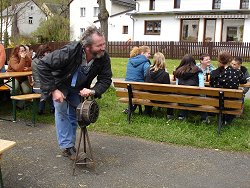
[(4, 145), (206, 83), (11, 76)]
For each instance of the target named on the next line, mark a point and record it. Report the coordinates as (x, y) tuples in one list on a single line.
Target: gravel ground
[(120, 162)]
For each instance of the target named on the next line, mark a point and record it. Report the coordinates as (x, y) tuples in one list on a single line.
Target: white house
[(22, 18), (84, 13), (167, 20), (191, 20)]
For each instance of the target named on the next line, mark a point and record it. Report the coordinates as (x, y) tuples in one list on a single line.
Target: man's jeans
[(65, 118)]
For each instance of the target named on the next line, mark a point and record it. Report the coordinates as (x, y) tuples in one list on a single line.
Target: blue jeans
[(65, 118)]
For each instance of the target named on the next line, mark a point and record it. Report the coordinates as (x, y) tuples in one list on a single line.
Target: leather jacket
[(57, 68)]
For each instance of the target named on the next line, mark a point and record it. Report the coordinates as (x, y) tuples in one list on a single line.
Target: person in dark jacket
[(156, 73), (187, 73), (226, 76), (237, 64), (67, 75), (42, 51)]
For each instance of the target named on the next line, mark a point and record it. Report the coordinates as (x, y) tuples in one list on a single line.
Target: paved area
[(121, 162)]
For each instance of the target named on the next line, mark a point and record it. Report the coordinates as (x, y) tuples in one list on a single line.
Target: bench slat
[(185, 99), (180, 89), (4, 88), (26, 96), (203, 108)]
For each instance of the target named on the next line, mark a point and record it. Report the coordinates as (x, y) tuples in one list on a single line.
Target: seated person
[(2, 58), (187, 73), (42, 51), (205, 65), (226, 77), (19, 62), (237, 64), (2, 69), (137, 66), (156, 74)]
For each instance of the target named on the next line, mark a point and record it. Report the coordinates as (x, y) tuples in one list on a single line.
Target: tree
[(54, 29), (103, 17)]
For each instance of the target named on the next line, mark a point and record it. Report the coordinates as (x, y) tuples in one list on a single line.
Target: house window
[(210, 30), (232, 30), (30, 20), (82, 11), (96, 11), (125, 29), (190, 29), (31, 7), (216, 4), (231, 34), (177, 3), (244, 4), (153, 27), (82, 30), (151, 4)]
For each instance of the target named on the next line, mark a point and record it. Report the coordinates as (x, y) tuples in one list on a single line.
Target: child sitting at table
[(237, 64), (156, 73), (226, 77), (187, 73)]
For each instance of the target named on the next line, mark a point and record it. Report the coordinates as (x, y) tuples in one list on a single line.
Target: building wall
[(76, 21), (169, 30), (115, 23), (116, 28), (168, 5), (25, 28), (171, 24)]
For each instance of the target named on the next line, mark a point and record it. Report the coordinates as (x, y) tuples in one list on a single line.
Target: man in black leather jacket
[(67, 74)]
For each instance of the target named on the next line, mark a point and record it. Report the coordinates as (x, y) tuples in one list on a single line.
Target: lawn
[(234, 137)]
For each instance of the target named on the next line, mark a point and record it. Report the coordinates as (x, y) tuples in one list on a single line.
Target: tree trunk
[(103, 17)]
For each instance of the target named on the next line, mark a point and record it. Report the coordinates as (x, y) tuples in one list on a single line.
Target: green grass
[(235, 137), (192, 132), (119, 66)]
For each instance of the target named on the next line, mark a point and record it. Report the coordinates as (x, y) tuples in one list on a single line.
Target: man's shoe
[(125, 111), (70, 153), (170, 116), (181, 118), (206, 121)]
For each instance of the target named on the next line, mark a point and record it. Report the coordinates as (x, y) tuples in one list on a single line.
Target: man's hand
[(58, 96), (87, 92)]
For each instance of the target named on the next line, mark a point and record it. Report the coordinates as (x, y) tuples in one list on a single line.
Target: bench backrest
[(232, 98)]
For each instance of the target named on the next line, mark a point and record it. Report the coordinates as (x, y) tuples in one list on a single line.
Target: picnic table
[(4, 145), (10, 76)]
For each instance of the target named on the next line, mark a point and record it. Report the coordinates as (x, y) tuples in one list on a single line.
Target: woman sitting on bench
[(187, 73), (156, 73)]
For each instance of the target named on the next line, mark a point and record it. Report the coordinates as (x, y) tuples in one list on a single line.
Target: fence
[(171, 50), (176, 50)]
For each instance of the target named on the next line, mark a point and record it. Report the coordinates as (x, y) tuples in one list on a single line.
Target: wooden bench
[(215, 100), (32, 97), (4, 88), (4, 145)]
